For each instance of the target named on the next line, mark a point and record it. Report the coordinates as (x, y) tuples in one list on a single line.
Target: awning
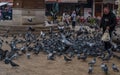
[(82, 1), (50, 1), (68, 1), (3, 3), (10, 4), (109, 1)]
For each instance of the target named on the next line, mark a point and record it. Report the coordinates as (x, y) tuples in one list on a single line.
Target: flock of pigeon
[(103, 66), (82, 44)]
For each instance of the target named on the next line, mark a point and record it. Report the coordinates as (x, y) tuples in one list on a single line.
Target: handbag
[(106, 36)]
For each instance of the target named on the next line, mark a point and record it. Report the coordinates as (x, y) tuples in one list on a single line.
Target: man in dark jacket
[(108, 22)]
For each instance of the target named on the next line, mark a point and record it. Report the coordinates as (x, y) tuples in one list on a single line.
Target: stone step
[(6, 22), (14, 29)]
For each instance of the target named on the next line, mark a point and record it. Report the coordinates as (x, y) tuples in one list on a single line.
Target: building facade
[(69, 6), (118, 7), (25, 10), (95, 7), (35, 10), (98, 6), (6, 1)]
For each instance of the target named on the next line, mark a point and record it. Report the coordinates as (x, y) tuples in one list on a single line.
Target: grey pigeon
[(90, 70), (67, 59), (115, 68)]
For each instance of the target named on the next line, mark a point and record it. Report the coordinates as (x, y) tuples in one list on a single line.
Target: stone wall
[(22, 16), (37, 16), (25, 10), (29, 4), (17, 18)]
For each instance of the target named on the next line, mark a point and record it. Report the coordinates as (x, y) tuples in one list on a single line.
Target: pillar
[(93, 8)]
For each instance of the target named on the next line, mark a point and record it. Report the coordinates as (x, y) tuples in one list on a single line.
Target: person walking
[(108, 22), (65, 18), (73, 19)]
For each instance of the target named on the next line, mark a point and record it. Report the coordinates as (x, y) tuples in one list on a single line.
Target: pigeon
[(6, 42), (84, 57), (61, 28), (71, 54), (28, 55), (64, 40), (107, 58), (92, 62), (13, 64), (67, 59), (3, 54), (23, 50), (30, 28), (30, 20), (36, 50), (42, 34), (6, 60), (115, 33), (102, 56), (14, 56), (50, 56), (90, 70), (78, 56), (114, 67), (48, 23), (104, 68)]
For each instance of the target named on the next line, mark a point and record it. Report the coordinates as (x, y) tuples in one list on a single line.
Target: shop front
[(98, 6), (70, 5)]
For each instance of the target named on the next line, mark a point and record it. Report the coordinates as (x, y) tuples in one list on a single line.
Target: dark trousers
[(73, 24), (107, 45), (67, 23)]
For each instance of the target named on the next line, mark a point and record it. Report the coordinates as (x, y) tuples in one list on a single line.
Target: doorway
[(98, 9)]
